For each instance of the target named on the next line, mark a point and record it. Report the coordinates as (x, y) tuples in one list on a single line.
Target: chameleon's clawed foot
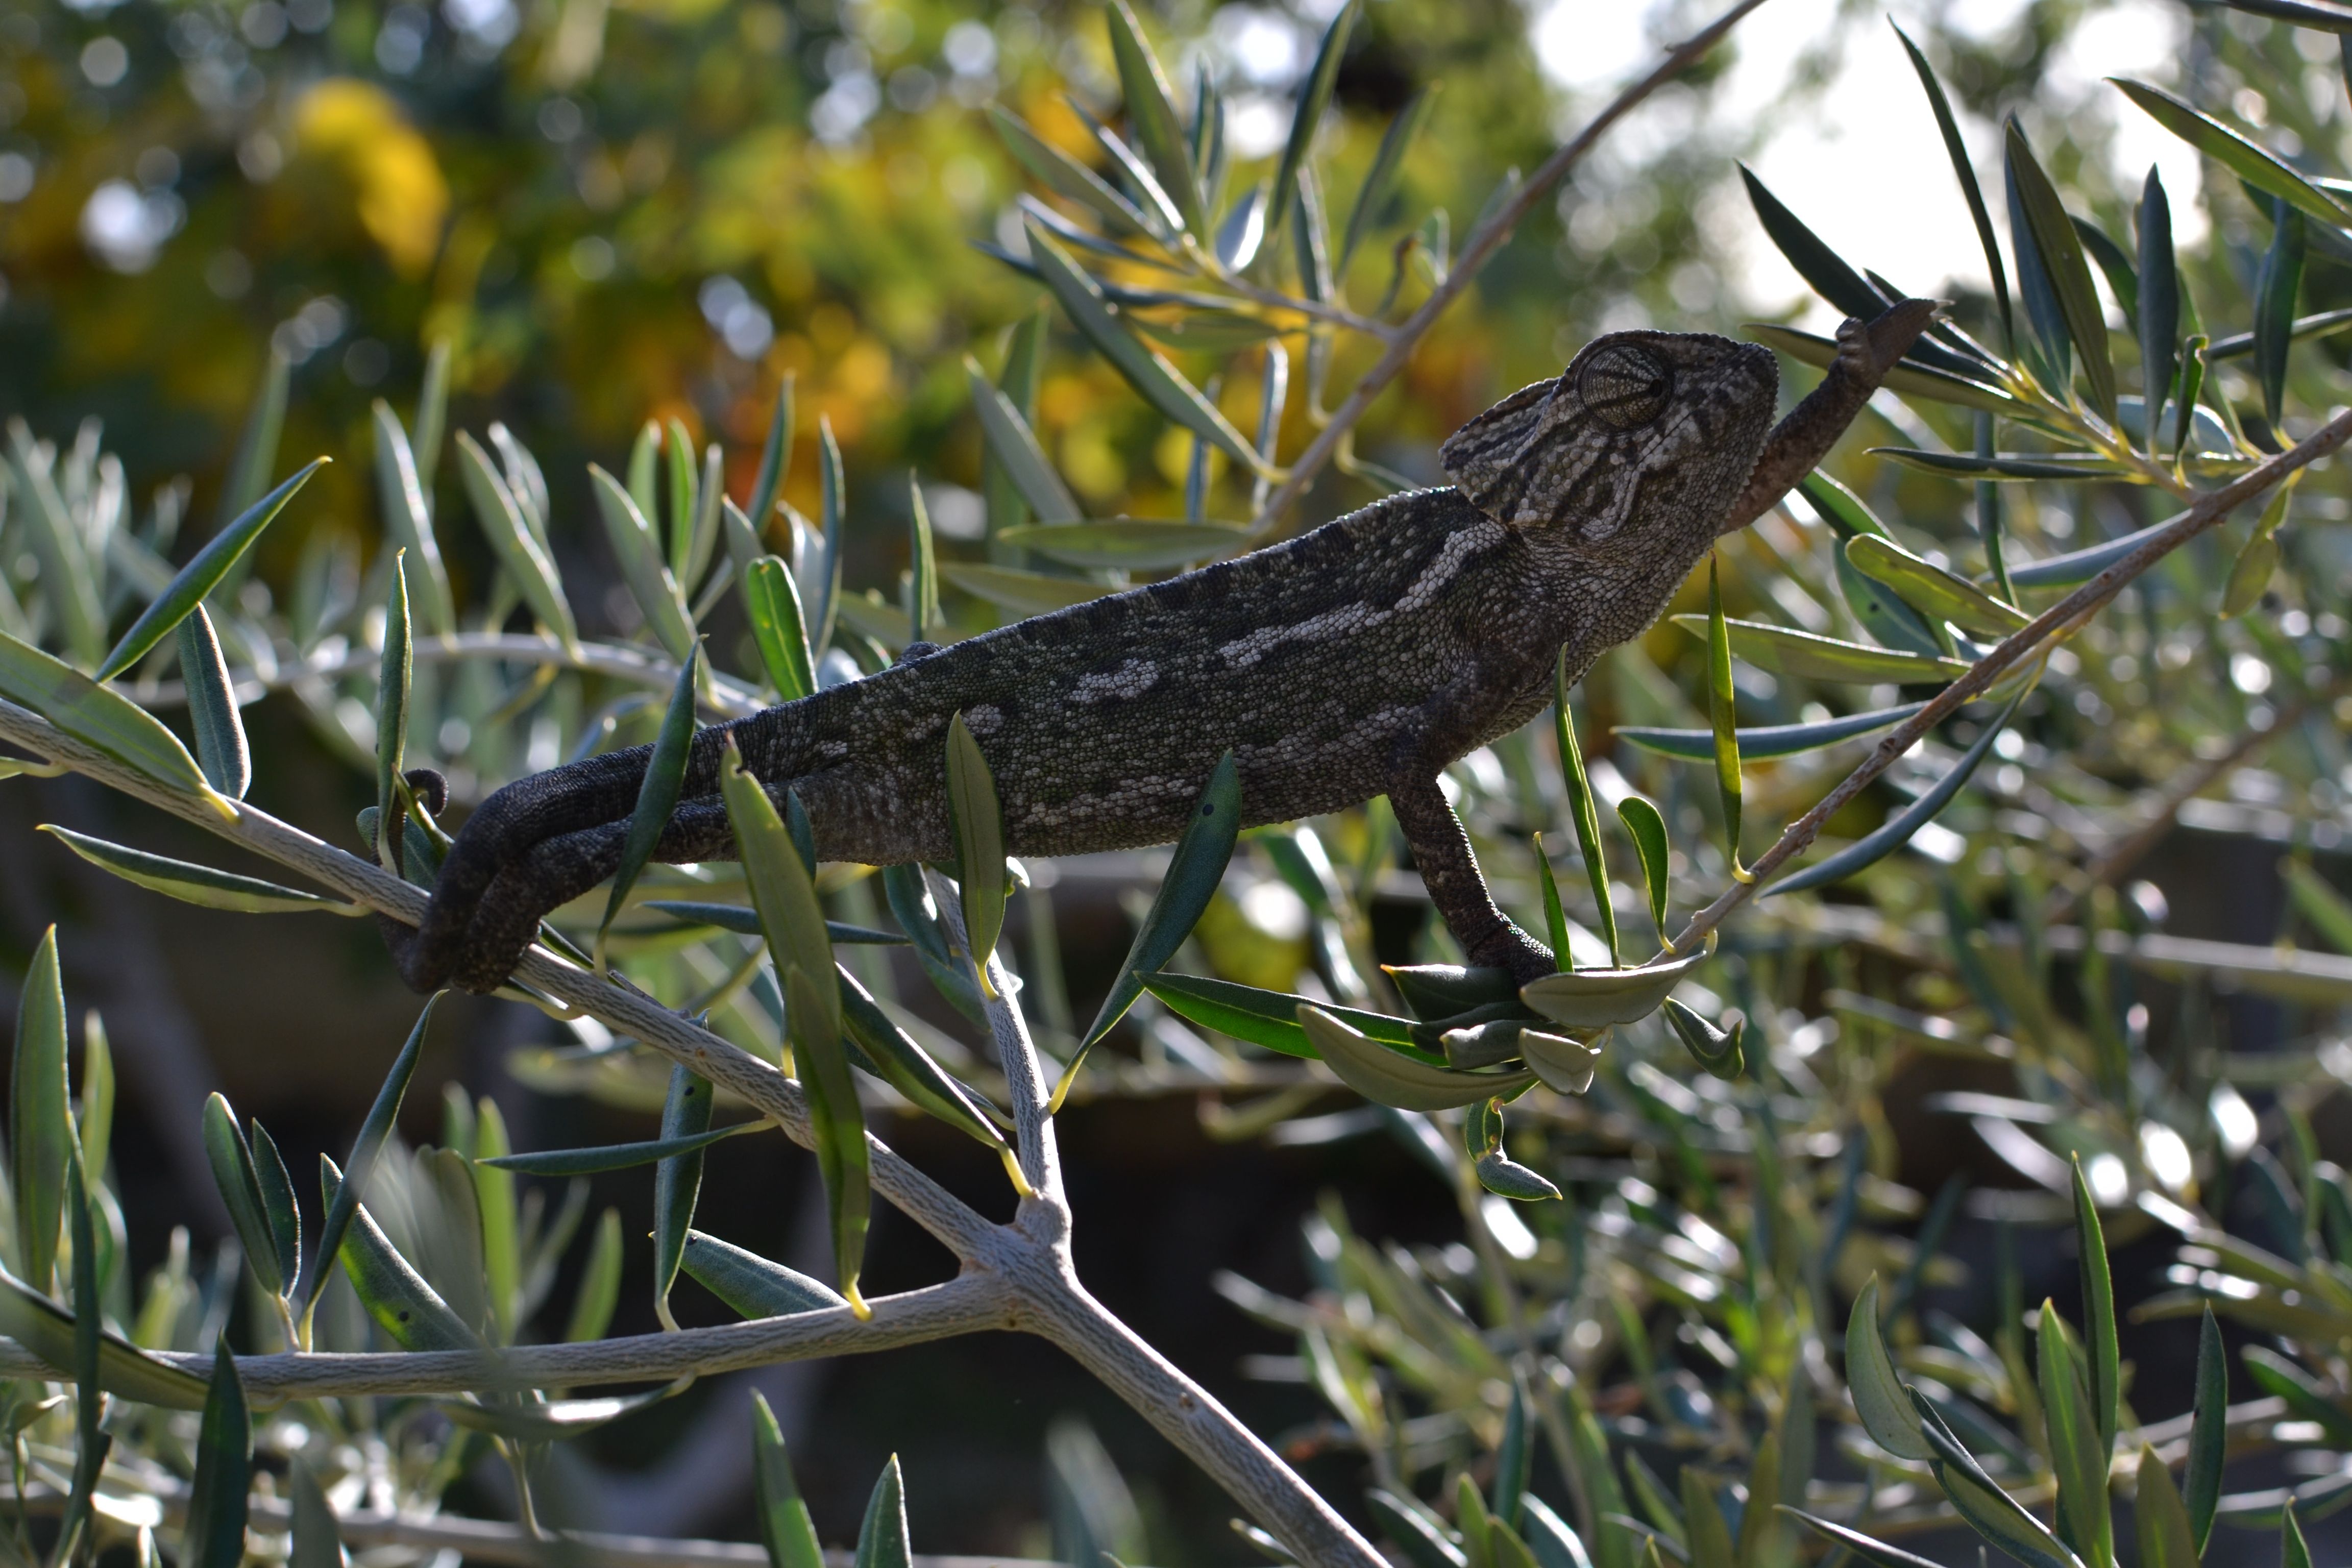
[(1516, 951)]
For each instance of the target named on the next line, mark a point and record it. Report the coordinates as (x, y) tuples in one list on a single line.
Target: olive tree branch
[(1476, 251), (2061, 618), (1017, 1276)]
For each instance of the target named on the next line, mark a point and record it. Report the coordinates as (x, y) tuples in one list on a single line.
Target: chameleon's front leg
[(1449, 870)]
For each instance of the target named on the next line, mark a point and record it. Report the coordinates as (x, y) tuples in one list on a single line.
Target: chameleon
[(1355, 660)]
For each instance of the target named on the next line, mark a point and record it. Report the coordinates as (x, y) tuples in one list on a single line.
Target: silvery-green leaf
[(775, 460), (1933, 590), (68, 584), (786, 1528), (1379, 181), (40, 1116), (407, 508), (527, 564), (1715, 1049), (1581, 812), (1770, 739), (1130, 544), (1647, 826), (2068, 271), (1810, 656), (1388, 1078), (657, 793), (1596, 999), (221, 749), (754, 1286), (394, 671), (882, 1538), (1151, 116), (407, 1309), (1064, 175), (432, 421), (616, 1156), (525, 481), (1879, 1398), (100, 718), (976, 818), (923, 581), (45, 1329), (1270, 1018), (201, 575), (2258, 166), (677, 1178), (1158, 383), (639, 554), (535, 1420), (344, 1199), (1966, 173), (1022, 592), (214, 1536), (772, 602)]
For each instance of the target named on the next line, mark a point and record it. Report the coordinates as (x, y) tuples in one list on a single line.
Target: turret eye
[(1627, 386)]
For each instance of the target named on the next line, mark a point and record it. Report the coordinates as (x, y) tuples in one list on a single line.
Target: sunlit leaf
[(1933, 590), (526, 562), (1314, 100), (752, 1285), (1906, 378), (1811, 657), (642, 568), (1647, 826), (1372, 198), (1387, 1077), (1596, 999), (1582, 811), (2255, 164), (786, 1528), (658, 794), (100, 717), (1965, 171), (40, 1115), (1022, 592), (882, 1538), (201, 575), (1715, 1049), (1879, 1396), (976, 819), (404, 498), (395, 669), (616, 1156), (1270, 1018), (1130, 545), (1723, 710)]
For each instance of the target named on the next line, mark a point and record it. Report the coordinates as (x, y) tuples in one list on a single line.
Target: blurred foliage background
[(614, 211)]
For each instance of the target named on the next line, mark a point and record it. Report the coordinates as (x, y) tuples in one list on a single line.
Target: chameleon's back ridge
[(1355, 660)]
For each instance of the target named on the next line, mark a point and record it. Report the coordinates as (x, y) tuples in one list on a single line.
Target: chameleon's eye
[(1625, 384)]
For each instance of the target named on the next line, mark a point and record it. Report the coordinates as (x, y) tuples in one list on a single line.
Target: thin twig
[(2063, 616), (1475, 252)]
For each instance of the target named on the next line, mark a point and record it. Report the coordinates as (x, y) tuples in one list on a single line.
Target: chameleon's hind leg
[(559, 870), (1441, 849)]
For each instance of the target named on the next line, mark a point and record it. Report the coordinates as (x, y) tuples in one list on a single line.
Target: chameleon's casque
[(1356, 660)]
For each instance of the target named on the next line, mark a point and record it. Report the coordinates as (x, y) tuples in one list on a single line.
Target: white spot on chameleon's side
[(984, 720), (1133, 679), (1459, 546)]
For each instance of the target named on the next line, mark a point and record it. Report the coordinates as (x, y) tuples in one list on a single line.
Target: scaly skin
[(1356, 660)]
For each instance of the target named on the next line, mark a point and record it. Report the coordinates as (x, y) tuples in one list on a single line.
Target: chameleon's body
[(1356, 660)]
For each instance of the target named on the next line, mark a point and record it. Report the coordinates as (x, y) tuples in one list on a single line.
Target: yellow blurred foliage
[(396, 183)]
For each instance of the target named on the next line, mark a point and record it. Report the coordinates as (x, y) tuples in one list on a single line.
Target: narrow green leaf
[(1933, 591), (644, 470), (200, 575), (1830, 274), (685, 497), (752, 1285), (2105, 1381), (1158, 383), (2304, 1395), (1879, 1396), (2069, 273), (1809, 656), (377, 1127), (616, 1156), (1770, 740), (882, 1538), (746, 921), (1647, 826), (1022, 592), (775, 460), (773, 601), (1760, 1524), (2256, 165), (677, 1179), (1152, 116), (94, 1130), (832, 517), (2280, 280), (2209, 1434), (281, 1218), (977, 820), (1387, 1076), (1380, 180), (837, 1119), (1991, 1513), (39, 1325), (240, 1190), (1907, 380), (1883, 613), (1130, 544), (406, 1308), (923, 584), (553, 1421), (92, 1442), (100, 717), (2165, 1538), (2293, 1550), (2159, 306), (658, 794), (639, 554), (392, 673), (1064, 175), (40, 1117), (1306, 118), (1713, 1048), (1966, 173), (1582, 811), (600, 1283), (193, 884), (1898, 828), (215, 1534), (67, 583), (526, 561), (1722, 709), (1007, 500), (1270, 1018), (893, 1057), (2077, 1453), (257, 448), (1196, 870), (405, 499), (317, 1538), (1417, 1534), (2114, 265), (786, 1528), (221, 750), (433, 411), (2257, 559), (1596, 999), (1867, 1547), (1555, 912), (1513, 1459)]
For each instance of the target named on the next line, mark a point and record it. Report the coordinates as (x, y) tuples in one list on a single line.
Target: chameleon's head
[(1642, 432)]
